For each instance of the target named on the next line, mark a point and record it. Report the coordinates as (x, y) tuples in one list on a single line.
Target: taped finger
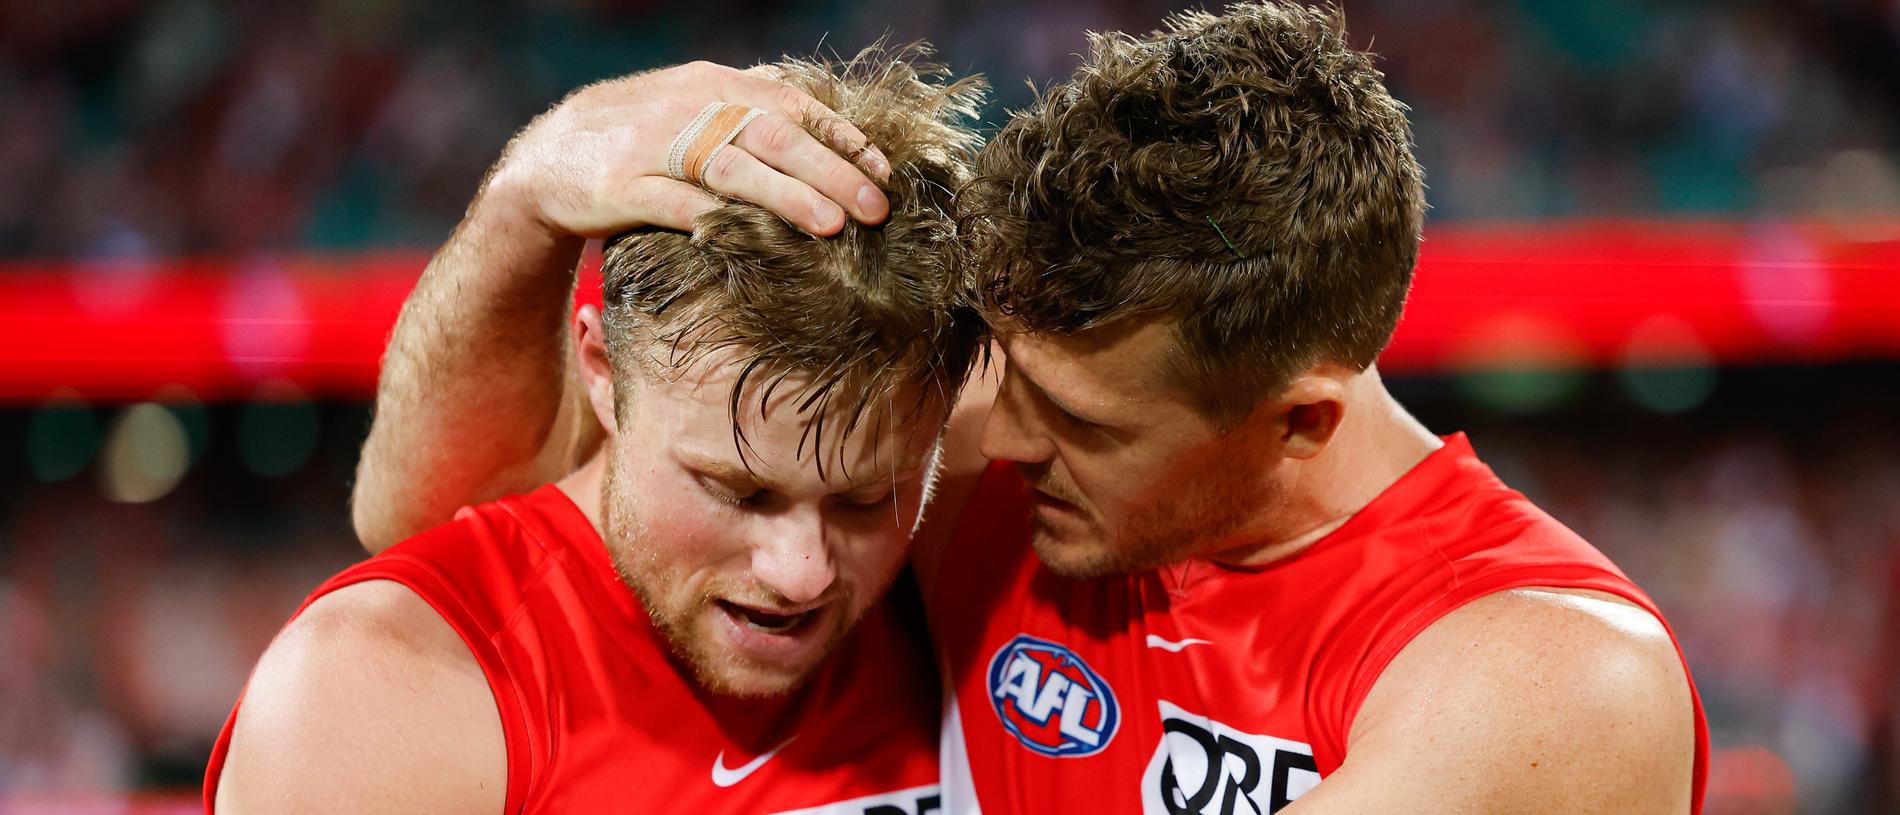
[(735, 172)]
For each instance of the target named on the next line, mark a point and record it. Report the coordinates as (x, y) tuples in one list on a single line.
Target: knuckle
[(580, 198), (774, 134), (794, 102), (841, 175), (681, 204), (723, 165), (838, 134), (850, 137)]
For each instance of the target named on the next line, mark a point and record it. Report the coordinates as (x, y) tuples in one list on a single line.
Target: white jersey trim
[(953, 757)]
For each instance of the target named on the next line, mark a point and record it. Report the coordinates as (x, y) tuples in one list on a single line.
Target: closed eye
[(729, 494), (865, 503), (1076, 421)]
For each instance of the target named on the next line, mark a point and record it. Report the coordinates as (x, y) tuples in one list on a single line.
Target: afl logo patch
[(1051, 700)]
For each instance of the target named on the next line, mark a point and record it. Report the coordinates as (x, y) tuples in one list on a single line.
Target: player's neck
[(583, 486), (1367, 455), (1377, 444)]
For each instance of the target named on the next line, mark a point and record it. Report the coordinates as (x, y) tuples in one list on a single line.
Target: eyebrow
[(721, 470), (734, 474), (1060, 405)]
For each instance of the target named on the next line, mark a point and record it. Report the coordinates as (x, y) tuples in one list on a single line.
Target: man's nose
[(794, 559), (1014, 430)]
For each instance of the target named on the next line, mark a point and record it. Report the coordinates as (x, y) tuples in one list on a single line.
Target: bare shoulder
[(1531, 700), (367, 702)]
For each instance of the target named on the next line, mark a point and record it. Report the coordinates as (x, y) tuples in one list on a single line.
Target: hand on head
[(598, 162)]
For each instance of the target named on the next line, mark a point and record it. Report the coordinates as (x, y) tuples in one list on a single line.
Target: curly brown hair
[(1246, 174), (862, 316)]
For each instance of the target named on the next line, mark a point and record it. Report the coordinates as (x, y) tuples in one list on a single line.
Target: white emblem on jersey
[(925, 800), (723, 777), (1171, 645), (1203, 767)]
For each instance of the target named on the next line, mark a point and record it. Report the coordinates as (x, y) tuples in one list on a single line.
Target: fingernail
[(875, 161), (828, 215), (869, 199)]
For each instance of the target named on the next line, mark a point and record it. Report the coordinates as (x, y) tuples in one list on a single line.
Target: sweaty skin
[(1502, 684), (370, 684), (1480, 713), (1500, 688), (344, 692)]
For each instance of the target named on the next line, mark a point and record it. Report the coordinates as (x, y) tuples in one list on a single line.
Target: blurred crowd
[(1768, 529), (128, 623), (168, 127)]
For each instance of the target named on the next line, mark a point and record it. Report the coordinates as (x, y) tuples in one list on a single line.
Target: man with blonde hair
[(692, 621)]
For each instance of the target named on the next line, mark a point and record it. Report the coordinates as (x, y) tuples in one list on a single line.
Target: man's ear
[(1311, 409), (597, 373)]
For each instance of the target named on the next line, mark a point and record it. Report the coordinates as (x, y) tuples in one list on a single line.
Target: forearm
[(471, 404), (472, 382)]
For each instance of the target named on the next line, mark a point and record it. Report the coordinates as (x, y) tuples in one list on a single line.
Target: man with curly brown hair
[(1216, 566), (1211, 565)]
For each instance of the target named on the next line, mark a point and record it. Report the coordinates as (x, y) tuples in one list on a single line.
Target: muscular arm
[(470, 404), (1524, 701), (367, 703), (475, 399)]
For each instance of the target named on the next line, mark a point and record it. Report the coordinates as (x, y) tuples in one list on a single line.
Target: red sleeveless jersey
[(1208, 689), (598, 717)]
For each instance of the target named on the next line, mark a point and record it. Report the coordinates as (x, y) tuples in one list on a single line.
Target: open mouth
[(1046, 501), (767, 622)]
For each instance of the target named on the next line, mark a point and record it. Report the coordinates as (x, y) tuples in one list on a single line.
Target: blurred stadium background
[(1661, 290)]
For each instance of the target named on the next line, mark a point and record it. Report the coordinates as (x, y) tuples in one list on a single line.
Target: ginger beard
[(693, 555), (685, 611)]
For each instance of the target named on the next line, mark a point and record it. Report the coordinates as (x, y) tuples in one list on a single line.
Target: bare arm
[(1523, 701), (367, 703), (471, 402), (473, 379)]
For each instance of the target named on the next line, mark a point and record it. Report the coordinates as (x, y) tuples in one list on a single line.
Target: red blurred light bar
[(1576, 294), (1601, 294)]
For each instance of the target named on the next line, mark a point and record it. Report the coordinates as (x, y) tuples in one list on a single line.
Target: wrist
[(504, 227), (507, 207), (503, 258)]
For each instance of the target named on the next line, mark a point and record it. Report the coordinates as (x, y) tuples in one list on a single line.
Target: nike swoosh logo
[(1171, 645), (723, 777)]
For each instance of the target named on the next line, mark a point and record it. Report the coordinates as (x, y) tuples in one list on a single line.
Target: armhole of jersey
[(420, 578), (434, 590), (1556, 576)]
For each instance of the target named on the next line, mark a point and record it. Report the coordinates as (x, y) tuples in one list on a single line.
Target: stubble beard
[(673, 616), (1199, 517), (718, 670)]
